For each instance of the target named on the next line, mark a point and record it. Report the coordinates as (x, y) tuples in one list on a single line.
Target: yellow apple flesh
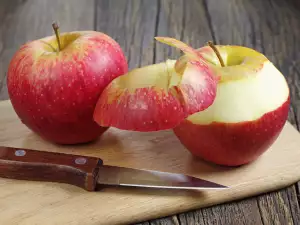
[(248, 113)]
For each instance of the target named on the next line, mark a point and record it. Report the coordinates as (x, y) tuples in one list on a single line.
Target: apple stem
[(56, 31), (217, 52)]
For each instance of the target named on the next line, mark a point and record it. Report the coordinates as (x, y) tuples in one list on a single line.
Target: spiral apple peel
[(159, 96)]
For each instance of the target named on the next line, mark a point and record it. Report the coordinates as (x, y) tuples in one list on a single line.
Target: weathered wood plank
[(31, 19), (272, 27), (280, 207), (295, 4), (6, 10), (236, 213), (165, 221), (177, 20), (132, 23), (171, 220)]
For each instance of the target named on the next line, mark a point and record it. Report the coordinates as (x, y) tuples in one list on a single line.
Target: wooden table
[(269, 26)]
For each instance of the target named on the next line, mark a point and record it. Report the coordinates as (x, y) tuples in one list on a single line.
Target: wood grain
[(269, 26), (245, 212), (132, 23), (31, 19), (280, 207), (155, 151), (177, 19)]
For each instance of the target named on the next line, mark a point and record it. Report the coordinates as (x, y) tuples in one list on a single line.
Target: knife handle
[(28, 164)]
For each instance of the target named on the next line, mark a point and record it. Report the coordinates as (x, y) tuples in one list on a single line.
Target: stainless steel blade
[(113, 175)]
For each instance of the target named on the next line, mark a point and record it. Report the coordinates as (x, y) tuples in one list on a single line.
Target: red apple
[(249, 111), (55, 82), (159, 96)]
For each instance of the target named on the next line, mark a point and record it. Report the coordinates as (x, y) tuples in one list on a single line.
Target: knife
[(88, 173)]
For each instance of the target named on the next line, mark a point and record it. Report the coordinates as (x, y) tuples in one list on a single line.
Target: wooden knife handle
[(27, 164)]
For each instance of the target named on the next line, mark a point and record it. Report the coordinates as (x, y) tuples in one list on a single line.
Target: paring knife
[(88, 172)]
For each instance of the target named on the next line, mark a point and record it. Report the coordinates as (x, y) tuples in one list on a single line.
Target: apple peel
[(190, 53), (158, 96)]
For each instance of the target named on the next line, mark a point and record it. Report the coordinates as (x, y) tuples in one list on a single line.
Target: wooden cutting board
[(30, 203)]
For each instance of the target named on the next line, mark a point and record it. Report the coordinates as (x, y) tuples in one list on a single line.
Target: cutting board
[(30, 203)]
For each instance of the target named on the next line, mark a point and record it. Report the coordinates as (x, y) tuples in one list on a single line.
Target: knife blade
[(89, 172)]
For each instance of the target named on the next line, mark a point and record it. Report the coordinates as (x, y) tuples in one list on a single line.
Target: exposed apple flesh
[(54, 91), (249, 111), (159, 96)]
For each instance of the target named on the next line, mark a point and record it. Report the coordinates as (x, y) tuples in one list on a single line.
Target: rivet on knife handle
[(25, 164)]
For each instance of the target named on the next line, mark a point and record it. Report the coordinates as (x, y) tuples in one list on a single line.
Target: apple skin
[(247, 115), (55, 93), (233, 144), (159, 96)]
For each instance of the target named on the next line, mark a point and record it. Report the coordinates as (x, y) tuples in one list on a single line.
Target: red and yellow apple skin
[(159, 96), (54, 93), (248, 114)]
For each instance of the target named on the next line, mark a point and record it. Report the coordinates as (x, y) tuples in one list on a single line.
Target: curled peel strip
[(191, 54), (158, 97), (189, 51)]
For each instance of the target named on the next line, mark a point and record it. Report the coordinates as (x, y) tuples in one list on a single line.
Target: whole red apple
[(159, 96), (55, 82), (249, 111)]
